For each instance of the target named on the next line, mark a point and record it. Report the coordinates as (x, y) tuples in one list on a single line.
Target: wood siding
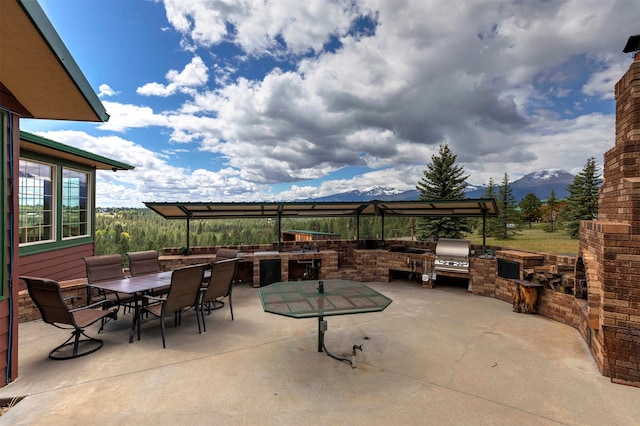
[(60, 265), (4, 339)]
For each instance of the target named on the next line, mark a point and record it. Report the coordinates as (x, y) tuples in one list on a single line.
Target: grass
[(534, 239)]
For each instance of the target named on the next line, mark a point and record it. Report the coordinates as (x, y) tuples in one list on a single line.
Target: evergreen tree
[(582, 201), (530, 208), (507, 207), (442, 180), (492, 223)]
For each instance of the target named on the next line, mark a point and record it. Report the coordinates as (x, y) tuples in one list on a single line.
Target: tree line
[(119, 230)]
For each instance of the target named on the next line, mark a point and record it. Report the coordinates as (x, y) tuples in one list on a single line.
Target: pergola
[(468, 207)]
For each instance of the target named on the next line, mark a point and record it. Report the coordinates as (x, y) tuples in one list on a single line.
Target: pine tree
[(582, 201), (492, 223), (530, 208), (442, 180), (507, 208)]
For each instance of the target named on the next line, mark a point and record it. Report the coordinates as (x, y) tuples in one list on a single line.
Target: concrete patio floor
[(434, 356)]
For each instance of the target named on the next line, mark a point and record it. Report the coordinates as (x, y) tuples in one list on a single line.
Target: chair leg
[(231, 307), (164, 346), (195, 308), (204, 326)]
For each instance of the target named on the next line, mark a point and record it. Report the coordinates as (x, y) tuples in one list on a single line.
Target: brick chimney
[(610, 246)]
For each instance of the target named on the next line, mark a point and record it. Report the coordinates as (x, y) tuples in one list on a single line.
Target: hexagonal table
[(320, 298)]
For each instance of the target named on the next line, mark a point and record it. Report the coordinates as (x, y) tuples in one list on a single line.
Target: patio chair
[(222, 254), (143, 262), (220, 286), (184, 293), (226, 253), (47, 296), (106, 268)]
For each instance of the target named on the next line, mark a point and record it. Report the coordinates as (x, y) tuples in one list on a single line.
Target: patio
[(440, 355)]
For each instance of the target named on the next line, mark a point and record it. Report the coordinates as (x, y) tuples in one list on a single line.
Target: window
[(36, 202), (75, 204), (55, 204)]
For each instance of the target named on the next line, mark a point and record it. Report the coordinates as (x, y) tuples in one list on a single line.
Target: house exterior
[(56, 193), (38, 79)]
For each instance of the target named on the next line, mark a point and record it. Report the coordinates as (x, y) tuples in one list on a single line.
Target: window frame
[(59, 241), (65, 210), (52, 211)]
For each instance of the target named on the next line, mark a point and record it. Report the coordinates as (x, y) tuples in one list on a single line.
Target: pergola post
[(382, 226), (484, 231), (279, 229), (188, 237)]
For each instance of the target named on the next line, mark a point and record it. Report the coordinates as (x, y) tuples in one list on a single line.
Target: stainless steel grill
[(452, 255)]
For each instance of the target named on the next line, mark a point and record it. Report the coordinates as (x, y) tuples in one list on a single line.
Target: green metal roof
[(38, 144)]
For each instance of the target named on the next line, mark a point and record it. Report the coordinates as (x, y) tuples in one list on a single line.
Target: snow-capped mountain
[(538, 183), (376, 192)]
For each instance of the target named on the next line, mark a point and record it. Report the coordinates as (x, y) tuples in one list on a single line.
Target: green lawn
[(535, 239)]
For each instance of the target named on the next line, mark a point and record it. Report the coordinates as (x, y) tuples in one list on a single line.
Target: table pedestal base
[(322, 327)]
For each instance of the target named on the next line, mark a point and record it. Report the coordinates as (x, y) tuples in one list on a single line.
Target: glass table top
[(302, 299)]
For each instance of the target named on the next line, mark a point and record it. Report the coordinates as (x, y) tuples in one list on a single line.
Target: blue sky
[(278, 100)]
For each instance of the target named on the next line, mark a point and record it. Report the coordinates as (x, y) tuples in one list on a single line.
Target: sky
[(280, 100)]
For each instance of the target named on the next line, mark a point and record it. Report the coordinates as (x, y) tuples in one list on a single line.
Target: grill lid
[(453, 248), (452, 255)]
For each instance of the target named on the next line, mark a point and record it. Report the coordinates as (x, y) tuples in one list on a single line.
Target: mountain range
[(539, 183)]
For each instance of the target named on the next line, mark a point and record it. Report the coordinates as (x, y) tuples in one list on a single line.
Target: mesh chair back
[(185, 288), (226, 253), (104, 268), (47, 296), (222, 276), (143, 262)]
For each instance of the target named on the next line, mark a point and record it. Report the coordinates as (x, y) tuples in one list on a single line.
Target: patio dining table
[(136, 286), (320, 298)]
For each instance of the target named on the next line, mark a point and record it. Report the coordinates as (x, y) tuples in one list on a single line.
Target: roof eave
[(41, 78), (41, 145)]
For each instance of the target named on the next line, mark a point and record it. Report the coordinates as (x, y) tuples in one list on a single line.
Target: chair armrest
[(71, 299), (156, 298), (93, 305)]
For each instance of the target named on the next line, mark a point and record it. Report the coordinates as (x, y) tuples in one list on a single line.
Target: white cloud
[(602, 83), (154, 178), (193, 75), (421, 80), (123, 117), (496, 80), (260, 25), (105, 90)]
